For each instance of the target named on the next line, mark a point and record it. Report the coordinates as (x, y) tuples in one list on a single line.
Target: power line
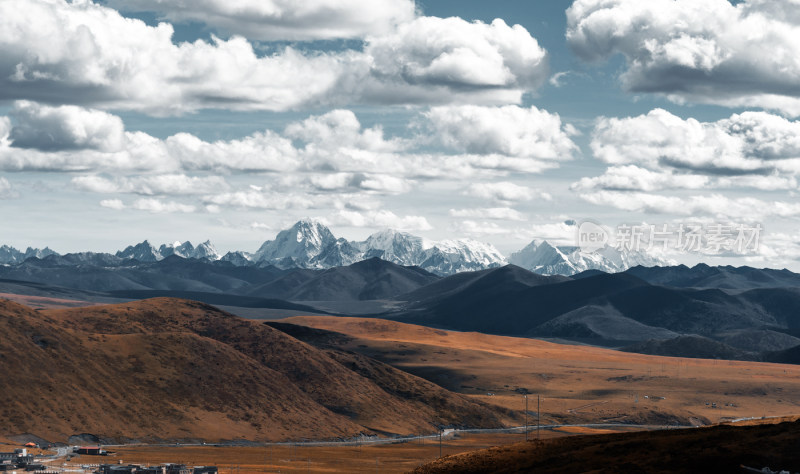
[(526, 417), (538, 415)]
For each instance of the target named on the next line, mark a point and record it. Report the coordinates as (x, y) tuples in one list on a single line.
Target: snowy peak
[(10, 255), (307, 244), (340, 253), (206, 250), (464, 255), (470, 250), (393, 246), (547, 259), (143, 252), (38, 253), (442, 258), (310, 244), (312, 232), (238, 258), (146, 252), (542, 257), (184, 250)]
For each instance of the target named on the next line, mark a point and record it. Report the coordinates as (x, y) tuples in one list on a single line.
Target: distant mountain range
[(308, 244), (546, 259), (145, 252), (12, 255), (757, 312), (745, 311)]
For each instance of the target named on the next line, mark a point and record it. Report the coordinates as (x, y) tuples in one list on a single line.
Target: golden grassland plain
[(720, 448), (45, 302), (365, 458), (384, 458), (577, 384)]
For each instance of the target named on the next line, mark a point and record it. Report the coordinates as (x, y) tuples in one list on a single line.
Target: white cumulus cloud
[(511, 131), (749, 143), (65, 128), (634, 178), (377, 183), (504, 191), (84, 53), (709, 51), (265, 199), (432, 59), (495, 213), (158, 206), (377, 219), (714, 205), (471, 227), (115, 204), (172, 184), (283, 19)]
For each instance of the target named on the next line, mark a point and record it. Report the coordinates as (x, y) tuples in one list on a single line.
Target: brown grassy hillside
[(578, 384), (175, 369), (711, 449)]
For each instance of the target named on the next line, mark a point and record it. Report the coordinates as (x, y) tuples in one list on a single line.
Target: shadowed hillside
[(176, 369), (714, 449), (369, 279)]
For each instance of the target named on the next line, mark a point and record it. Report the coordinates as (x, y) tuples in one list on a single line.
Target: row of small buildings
[(19, 459), (163, 469), (137, 469)]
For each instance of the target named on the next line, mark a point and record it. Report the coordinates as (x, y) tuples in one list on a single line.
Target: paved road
[(447, 433)]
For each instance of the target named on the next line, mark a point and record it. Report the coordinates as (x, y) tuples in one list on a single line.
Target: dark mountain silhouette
[(723, 277), (103, 272), (750, 310), (218, 299), (370, 279), (507, 278), (499, 303), (610, 309), (691, 346), (365, 280), (787, 356)]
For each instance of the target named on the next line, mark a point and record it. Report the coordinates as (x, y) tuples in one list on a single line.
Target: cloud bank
[(711, 52), (82, 53), (271, 20)]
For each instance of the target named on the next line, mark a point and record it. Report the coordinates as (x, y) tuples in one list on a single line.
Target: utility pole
[(440, 443), (538, 414), (526, 417)]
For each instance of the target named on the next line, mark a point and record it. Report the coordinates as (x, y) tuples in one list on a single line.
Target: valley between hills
[(192, 359), (169, 369)]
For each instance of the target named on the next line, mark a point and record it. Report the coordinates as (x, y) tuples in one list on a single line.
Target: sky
[(502, 121)]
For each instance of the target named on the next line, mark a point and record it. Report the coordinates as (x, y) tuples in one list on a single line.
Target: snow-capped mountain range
[(310, 244), (12, 255), (546, 259), (146, 252)]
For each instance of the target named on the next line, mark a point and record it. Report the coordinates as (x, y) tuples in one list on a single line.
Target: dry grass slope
[(176, 369), (578, 384), (712, 449)]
